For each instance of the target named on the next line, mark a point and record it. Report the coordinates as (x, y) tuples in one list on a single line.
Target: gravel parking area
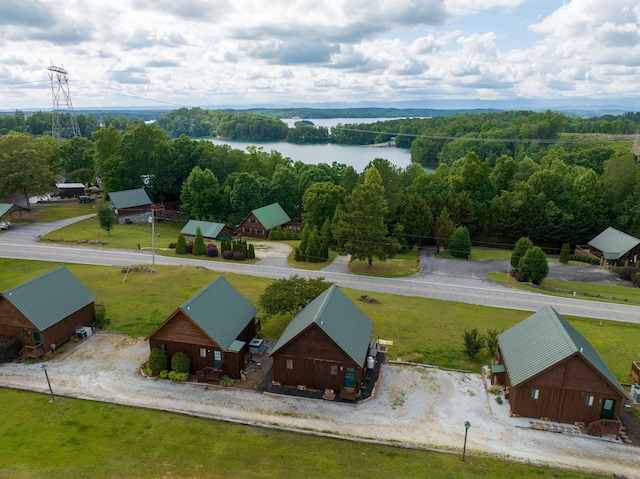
[(414, 406)]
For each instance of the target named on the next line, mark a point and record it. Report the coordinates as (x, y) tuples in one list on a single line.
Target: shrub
[(164, 374), (61, 350), (594, 261), (279, 233), (199, 247), (239, 256), (251, 253), (181, 246), (227, 254), (180, 363), (520, 249), (499, 399), (158, 361), (226, 381), (190, 247), (212, 251), (491, 342), (172, 246), (564, 253), (174, 376), (460, 243), (533, 265), (473, 342), (101, 320), (297, 256), (635, 280), (627, 273), (495, 389)]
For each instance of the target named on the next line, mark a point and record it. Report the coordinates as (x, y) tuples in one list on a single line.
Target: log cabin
[(325, 346), (132, 205), (259, 222), (45, 312), (213, 328)]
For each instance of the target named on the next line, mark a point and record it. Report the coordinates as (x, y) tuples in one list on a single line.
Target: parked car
[(85, 199), (5, 225)]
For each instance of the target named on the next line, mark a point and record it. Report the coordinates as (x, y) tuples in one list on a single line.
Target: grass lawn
[(85, 439), (404, 264), (422, 330), (55, 212)]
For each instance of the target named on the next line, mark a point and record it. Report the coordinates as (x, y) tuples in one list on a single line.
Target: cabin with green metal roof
[(132, 205), (614, 248), (213, 328), (549, 370), (45, 312), (325, 346), (210, 231), (260, 221)]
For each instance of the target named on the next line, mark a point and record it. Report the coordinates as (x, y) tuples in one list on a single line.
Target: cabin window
[(25, 333), (535, 393), (259, 231), (203, 352), (289, 363), (589, 400), (334, 369), (252, 220), (246, 230), (163, 346)]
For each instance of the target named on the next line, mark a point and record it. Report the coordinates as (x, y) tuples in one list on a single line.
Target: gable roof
[(207, 228), (339, 318), (221, 311), (614, 243), (8, 207), (49, 298), (542, 340), (129, 198), (271, 216)]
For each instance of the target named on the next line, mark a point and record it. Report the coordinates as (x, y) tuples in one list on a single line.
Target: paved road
[(432, 282)]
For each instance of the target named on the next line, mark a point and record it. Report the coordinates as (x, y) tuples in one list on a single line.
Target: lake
[(357, 156)]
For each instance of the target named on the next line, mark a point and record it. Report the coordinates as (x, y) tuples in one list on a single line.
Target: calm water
[(356, 156)]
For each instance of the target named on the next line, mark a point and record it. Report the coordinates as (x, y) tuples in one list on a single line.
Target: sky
[(247, 53)]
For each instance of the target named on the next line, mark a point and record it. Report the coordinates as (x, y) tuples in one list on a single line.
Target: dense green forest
[(555, 180)]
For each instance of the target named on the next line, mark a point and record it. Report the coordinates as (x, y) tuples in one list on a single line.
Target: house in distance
[(210, 231), (45, 312), (131, 206), (259, 222), (549, 370)]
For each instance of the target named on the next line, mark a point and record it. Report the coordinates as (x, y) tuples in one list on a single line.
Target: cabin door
[(608, 409), (217, 358), (37, 339), (349, 377)]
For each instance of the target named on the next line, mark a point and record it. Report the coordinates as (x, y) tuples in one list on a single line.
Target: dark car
[(85, 199)]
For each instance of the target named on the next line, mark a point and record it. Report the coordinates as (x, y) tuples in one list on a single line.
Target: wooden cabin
[(70, 190), (259, 222), (325, 346), (7, 211), (213, 329), (549, 370), (210, 231), (133, 206), (45, 312), (612, 247)]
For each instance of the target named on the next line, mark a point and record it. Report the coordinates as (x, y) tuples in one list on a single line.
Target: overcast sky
[(279, 52)]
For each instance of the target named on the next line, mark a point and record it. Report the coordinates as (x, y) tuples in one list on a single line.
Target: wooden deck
[(210, 374), (635, 372), (32, 352), (604, 426)]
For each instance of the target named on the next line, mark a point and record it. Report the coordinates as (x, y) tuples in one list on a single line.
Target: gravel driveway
[(415, 406)]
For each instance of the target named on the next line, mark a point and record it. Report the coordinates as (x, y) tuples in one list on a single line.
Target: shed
[(551, 371), (133, 205), (259, 222), (212, 329), (46, 311), (8, 209), (325, 346), (209, 230), (68, 190), (613, 246)]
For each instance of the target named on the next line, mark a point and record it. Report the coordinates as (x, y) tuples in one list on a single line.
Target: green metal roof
[(4, 208), (50, 297), (221, 311), (542, 340), (271, 216), (207, 228), (339, 318), (129, 198), (614, 243)]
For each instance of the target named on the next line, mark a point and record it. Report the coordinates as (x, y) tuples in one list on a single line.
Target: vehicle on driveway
[(5, 225), (85, 199)]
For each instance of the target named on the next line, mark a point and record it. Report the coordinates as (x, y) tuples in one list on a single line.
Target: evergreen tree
[(325, 232), (460, 245), (565, 253), (181, 245), (313, 246), (199, 248), (522, 246), (251, 253), (534, 265), (304, 239), (444, 228)]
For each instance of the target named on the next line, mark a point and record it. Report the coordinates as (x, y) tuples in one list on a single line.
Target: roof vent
[(580, 349)]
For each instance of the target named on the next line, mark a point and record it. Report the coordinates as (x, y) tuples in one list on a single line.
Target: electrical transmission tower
[(65, 124)]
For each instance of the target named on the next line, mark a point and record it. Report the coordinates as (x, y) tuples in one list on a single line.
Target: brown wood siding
[(13, 323), (247, 228), (563, 391), (313, 353), (249, 332), (181, 329)]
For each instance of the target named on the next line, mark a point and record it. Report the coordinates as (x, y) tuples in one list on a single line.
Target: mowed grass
[(46, 212), (403, 264), (72, 438), (422, 330)]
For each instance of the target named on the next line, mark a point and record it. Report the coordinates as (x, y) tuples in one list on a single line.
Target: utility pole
[(152, 220)]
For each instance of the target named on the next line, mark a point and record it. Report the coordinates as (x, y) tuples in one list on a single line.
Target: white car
[(5, 225)]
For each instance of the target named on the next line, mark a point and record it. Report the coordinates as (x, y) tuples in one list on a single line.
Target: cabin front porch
[(32, 352), (605, 426)]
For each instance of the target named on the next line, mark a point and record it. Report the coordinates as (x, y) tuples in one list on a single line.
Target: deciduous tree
[(289, 296)]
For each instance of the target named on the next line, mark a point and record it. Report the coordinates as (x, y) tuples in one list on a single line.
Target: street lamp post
[(152, 220), (467, 425), (44, 368)]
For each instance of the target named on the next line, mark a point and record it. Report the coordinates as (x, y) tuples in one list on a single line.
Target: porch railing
[(32, 352), (604, 426)]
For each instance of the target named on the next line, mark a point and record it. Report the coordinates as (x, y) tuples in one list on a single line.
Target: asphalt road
[(447, 280)]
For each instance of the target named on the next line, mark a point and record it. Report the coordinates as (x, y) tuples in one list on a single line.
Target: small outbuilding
[(131, 205), (45, 312), (70, 190), (213, 329), (210, 231), (325, 346), (260, 221), (614, 248), (7, 210), (549, 370)]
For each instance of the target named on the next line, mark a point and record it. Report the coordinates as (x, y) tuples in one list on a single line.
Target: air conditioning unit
[(83, 333), (635, 393)]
